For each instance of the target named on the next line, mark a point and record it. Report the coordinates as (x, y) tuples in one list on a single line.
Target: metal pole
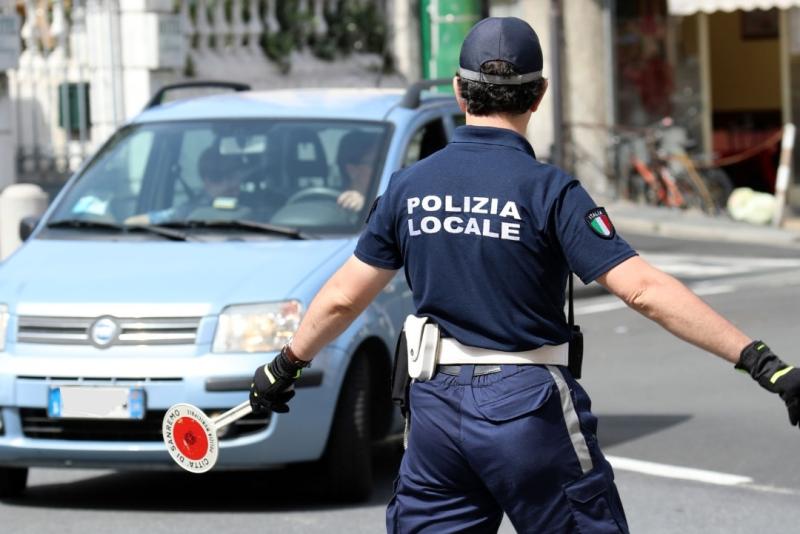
[(609, 9), (785, 67), (784, 173), (557, 152), (116, 62), (705, 84)]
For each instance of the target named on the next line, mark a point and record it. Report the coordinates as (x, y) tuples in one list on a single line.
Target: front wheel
[(13, 481), (347, 461), (719, 186)]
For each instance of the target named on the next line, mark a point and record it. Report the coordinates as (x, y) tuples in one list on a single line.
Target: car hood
[(53, 275)]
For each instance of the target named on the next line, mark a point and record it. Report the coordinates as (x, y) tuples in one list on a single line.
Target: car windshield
[(313, 176)]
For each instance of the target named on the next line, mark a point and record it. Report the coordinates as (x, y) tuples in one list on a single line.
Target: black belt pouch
[(400, 379), (575, 362)]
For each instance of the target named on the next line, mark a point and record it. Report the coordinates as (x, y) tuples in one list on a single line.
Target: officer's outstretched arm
[(665, 300), (671, 304), (343, 297)]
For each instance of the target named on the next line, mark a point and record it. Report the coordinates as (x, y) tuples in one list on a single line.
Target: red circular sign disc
[(190, 438)]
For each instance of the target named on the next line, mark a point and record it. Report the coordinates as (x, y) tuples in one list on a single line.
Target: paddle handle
[(234, 414)]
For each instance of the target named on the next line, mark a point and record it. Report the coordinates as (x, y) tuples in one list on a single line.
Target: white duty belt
[(451, 352), (426, 350)]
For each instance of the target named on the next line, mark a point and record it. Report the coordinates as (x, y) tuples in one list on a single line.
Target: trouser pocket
[(592, 499)]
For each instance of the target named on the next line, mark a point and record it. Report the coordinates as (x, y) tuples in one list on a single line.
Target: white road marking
[(708, 265), (674, 471), (601, 307), (613, 303), (773, 489), (702, 290)]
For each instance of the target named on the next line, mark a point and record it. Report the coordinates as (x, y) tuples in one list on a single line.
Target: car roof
[(361, 104)]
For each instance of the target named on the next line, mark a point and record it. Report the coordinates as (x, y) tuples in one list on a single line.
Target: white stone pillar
[(104, 89), (153, 49), (540, 129), (9, 59), (18, 201), (586, 86), (404, 37), (8, 145)]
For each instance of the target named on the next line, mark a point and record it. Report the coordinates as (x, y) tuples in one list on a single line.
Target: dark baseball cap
[(501, 39)]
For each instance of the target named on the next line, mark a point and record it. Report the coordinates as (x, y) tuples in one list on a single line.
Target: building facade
[(75, 70), (729, 78)]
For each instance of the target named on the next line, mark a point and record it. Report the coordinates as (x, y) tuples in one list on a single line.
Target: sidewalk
[(668, 222)]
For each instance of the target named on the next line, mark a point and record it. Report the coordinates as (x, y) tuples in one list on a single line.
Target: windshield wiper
[(175, 235), (83, 223), (169, 233), (240, 224)]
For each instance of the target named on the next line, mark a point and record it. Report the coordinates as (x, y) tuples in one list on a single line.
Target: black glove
[(273, 384), (774, 375)]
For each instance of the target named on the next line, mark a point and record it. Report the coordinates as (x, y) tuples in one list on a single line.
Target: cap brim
[(517, 79)]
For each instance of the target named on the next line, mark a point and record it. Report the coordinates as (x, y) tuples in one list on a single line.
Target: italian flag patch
[(598, 221)]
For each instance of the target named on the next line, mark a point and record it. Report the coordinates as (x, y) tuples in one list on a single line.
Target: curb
[(734, 234), (690, 225)]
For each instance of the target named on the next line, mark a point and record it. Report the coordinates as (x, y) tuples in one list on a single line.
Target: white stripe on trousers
[(572, 421)]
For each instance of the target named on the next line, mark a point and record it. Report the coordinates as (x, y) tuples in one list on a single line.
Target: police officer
[(487, 236)]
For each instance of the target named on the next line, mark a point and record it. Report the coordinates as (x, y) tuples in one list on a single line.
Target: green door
[(445, 23)]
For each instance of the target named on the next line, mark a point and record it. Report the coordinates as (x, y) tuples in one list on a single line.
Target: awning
[(688, 7)]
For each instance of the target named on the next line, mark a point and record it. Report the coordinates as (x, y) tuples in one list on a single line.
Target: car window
[(459, 119), (193, 143), (318, 176), (425, 141), (119, 172)]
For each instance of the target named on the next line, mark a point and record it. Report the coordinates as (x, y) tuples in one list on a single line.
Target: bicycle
[(651, 166)]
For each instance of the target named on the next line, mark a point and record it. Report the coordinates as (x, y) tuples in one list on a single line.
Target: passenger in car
[(221, 188), (358, 151)]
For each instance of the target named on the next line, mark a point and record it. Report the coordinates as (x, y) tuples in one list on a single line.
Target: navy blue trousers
[(520, 441)]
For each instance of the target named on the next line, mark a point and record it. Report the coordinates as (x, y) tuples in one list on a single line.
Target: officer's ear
[(462, 105), (538, 101)]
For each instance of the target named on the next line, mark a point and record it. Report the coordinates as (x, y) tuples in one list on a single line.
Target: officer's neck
[(517, 123)]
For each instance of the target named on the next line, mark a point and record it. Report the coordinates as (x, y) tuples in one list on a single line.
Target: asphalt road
[(658, 399), (661, 400)]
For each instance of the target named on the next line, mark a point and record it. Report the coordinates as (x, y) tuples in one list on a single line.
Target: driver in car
[(358, 151), (221, 188)]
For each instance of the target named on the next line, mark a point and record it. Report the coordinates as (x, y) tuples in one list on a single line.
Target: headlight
[(3, 326), (257, 327)]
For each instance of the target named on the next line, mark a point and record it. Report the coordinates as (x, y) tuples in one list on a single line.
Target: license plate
[(87, 402)]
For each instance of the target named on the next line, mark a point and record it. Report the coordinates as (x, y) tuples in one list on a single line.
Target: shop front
[(728, 71)]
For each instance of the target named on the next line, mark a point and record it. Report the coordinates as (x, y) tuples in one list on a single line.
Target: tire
[(692, 197), (719, 185), (13, 481), (347, 461), (639, 191)]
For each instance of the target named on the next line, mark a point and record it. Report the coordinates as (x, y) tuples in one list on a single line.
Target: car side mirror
[(27, 225)]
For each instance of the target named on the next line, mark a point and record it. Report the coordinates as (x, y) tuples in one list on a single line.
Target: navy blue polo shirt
[(487, 236)]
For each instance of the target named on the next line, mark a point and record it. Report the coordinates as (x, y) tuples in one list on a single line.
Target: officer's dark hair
[(488, 99)]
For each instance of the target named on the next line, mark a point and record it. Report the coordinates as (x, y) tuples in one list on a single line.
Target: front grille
[(36, 424), (134, 331)]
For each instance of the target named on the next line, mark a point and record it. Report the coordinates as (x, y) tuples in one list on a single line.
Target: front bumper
[(213, 382)]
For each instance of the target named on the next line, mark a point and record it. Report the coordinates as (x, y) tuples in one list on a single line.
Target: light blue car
[(182, 256)]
